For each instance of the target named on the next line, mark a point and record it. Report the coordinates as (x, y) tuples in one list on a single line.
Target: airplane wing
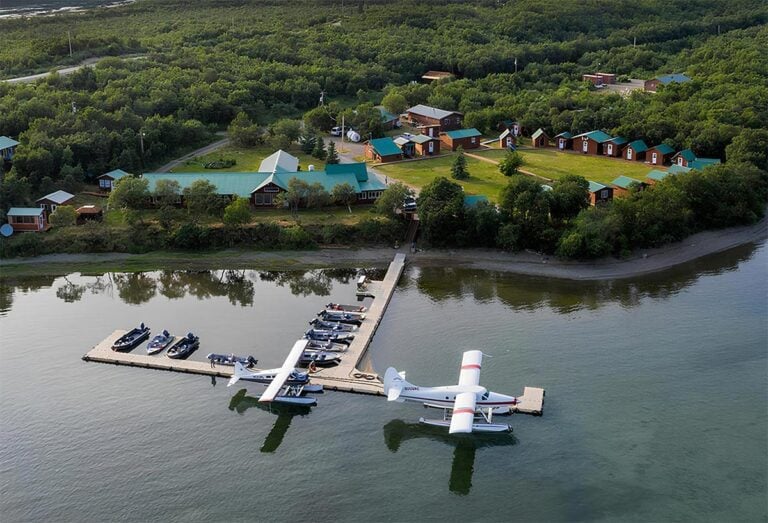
[(285, 371), (463, 412), (470, 367)]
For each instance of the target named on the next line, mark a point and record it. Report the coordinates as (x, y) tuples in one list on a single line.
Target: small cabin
[(507, 140), (591, 142), (50, 202), (383, 150), (539, 138), (623, 184), (564, 141), (466, 138), (424, 115), (7, 148), (635, 151), (425, 145), (614, 146), (89, 213), (599, 193), (653, 84), (659, 155), (24, 219), (107, 181)]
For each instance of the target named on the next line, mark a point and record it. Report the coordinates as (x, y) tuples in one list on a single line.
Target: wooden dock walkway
[(345, 377)]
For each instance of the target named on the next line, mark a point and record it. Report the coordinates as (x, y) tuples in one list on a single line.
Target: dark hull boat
[(184, 347), (160, 342), (319, 358), (332, 325), (342, 317), (131, 339), (231, 359), (344, 308), (322, 335)]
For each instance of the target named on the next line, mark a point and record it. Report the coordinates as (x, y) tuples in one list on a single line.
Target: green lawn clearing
[(553, 164), (247, 158), (484, 178)]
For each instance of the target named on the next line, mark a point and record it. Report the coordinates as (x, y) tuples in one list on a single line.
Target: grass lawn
[(247, 158), (484, 178), (552, 164)]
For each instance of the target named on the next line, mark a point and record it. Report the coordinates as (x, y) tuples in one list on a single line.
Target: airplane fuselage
[(296, 378), (446, 396)]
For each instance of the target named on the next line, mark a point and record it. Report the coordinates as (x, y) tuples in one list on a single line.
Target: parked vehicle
[(131, 339)]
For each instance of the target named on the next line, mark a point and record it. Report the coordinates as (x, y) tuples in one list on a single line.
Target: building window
[(472, 140), (23, 219), (104, 184)]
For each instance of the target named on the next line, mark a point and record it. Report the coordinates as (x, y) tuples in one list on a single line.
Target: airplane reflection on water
[(241, 402), (465, 447)]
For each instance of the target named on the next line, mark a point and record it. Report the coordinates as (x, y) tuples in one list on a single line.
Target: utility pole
[(634, 42), (515, 64), (69, 37), (141, 143)]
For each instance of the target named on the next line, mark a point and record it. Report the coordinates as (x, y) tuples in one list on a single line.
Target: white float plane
[(286, 384), (466, 407)]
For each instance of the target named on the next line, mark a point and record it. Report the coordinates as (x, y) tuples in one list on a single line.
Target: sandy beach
[(641, 262)]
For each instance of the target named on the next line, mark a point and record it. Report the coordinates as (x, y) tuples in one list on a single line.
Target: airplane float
[(467, 407), (285, 384)]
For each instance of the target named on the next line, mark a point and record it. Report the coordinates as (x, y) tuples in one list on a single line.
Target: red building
[(466, 138), (27, 219), (425, 116), (539, 139), (635, 151), (599, 193), (564, 141), (614, 146), (507, 139), (659, 155), (591, 142), (383, 150)]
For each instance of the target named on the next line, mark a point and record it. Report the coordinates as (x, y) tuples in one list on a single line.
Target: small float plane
[(466, 407), (286, 384)]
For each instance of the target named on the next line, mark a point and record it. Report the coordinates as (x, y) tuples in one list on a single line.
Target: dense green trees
[(63, 216), (393, 199), (237, 213), (441, 211), (344, 194), (459, 167), (511, 163)]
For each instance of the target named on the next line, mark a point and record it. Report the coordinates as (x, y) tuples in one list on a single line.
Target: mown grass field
[(552, 164), (247, 158), (486, 179)]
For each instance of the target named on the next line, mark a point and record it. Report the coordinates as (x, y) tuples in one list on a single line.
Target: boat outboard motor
[(142, 326), (166, 333)]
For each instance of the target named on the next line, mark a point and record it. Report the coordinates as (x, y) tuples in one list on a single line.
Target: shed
[(88, 213), (635, 151), (424, 115), (599, 193), (539, 138), (7, 148), (24, 219), (656, 176), (564, 141), (660, 154), (623, 184), (426, 145), (49, 202), (466, 138), (675, 78), (107, 180), (591, 142), (507, 140), (613, 146), (383, 150)]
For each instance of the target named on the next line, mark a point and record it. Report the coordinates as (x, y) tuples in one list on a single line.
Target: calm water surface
[(655, 406)]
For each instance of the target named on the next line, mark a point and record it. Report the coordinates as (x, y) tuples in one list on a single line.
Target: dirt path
[(522, 171), (641, 262), (90, 62), (199, 152)]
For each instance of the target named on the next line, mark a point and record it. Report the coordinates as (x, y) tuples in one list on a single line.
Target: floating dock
[(345, 377)]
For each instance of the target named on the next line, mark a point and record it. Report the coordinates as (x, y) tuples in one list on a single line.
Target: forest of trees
[(201, 66)]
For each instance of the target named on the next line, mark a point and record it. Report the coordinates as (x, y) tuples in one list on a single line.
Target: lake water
[(13, 8), (655, 407)]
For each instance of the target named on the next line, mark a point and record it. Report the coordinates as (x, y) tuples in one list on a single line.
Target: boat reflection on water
[(241, 402), (465, 446)]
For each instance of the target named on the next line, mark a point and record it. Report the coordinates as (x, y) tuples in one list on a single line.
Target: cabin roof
[(115, 175), (385, 146), (25, 211), (624, 182), (462, 133), (6, 142), (598, 136), (638, 146), (594, 186), (664, 148), (677, 78), (279, 161), (57, 197), (431, 112)]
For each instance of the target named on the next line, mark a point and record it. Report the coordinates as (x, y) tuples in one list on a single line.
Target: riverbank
[(641, 262)]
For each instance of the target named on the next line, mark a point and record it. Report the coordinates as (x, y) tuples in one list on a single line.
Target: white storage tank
[(353, 136), (311, 167)]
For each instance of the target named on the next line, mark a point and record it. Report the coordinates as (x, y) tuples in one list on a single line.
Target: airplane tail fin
[(393, 384), (239, 373)]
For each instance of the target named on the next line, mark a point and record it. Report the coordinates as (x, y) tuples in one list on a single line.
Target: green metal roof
[(594, 186), (24, 211), (386, 116), (618, 140), (6, 142), (638, 146), (462, 133), (357, 168), (564, 134), (664, 148), (687, 154), (624, 182), (385, 147), (373, 184), (421, 138), (538, 133), (676, 169), (598, 136), (700, 163), (657, 175), (677, 78)]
